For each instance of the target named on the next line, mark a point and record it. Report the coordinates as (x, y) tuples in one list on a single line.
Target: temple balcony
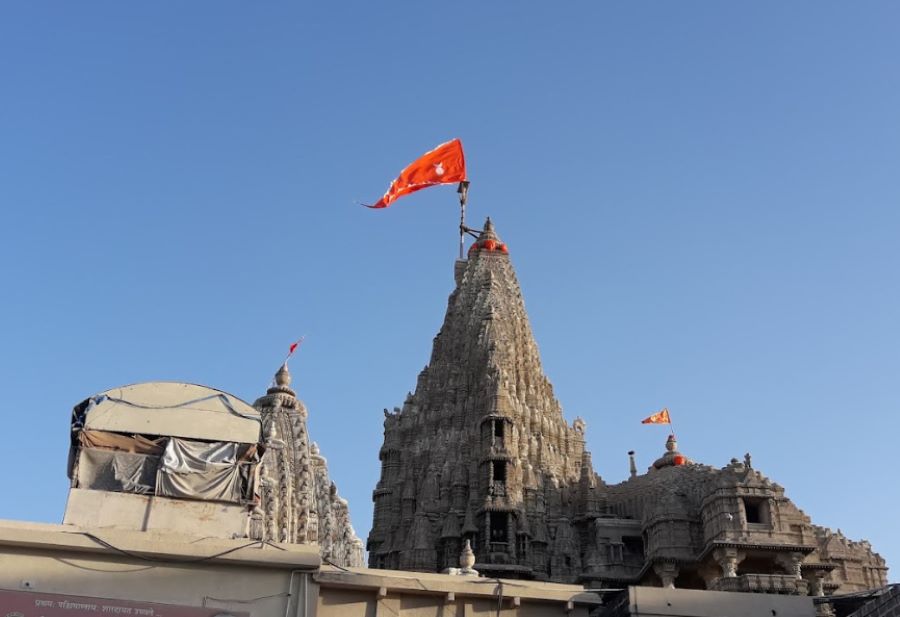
[(762, 583)]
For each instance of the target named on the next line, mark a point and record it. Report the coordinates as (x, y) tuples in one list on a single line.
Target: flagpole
[(463, 191), (293, 348)]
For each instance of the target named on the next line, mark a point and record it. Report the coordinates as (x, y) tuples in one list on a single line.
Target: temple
[(161, 456), (187, 501), (480, 454)]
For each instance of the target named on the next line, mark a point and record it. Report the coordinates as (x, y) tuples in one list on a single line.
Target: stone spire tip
[(283, 376), (488, 240)]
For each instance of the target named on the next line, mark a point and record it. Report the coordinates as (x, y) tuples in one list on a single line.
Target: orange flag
[(446, 164), (661, 417)]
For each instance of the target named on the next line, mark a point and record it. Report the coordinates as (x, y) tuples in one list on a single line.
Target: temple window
[(634, 546), (499, 471), (522, 546), (498, 527), (756, 510)]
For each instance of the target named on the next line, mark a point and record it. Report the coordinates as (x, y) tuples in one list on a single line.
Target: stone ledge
[(162, 545), (426, 583)]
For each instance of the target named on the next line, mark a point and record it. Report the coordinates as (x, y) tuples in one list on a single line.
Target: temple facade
[(481, 454)]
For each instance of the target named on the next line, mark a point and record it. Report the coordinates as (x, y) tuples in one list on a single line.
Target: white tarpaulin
[(200, 470)]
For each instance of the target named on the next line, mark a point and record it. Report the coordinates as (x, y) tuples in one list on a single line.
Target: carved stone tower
[(298, 501), (480, 451), (480, 455)]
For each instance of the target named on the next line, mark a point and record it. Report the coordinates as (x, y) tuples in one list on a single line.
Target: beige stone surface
[(105, 509), (163, 567)]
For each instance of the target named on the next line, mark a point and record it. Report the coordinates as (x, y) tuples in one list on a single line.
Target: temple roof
[(173, 409)]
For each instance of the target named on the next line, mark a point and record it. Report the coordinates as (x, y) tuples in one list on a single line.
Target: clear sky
[(700, 199)]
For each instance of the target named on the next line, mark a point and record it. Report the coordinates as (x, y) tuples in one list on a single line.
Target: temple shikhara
[(481, 455)]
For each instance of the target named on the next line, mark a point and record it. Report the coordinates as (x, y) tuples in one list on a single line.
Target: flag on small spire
[(446, 164), (660, 417)]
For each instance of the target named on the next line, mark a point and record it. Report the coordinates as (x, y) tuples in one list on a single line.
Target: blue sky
[(700, 200)]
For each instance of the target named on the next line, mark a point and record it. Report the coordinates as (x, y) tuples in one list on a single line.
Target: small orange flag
[(661, 417), (446, 164)]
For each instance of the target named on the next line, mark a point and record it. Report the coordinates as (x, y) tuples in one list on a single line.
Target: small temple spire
[(281, 384), (283, 376), (298, 503)]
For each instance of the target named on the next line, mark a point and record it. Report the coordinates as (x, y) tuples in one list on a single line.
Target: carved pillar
[(791, 563), (667, 572), (728, 559), (818, 584), (796, 565)]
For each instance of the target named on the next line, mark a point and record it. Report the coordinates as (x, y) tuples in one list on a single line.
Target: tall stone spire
[(298, 501), (481, 439)]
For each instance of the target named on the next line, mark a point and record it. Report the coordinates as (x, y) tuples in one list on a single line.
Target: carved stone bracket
[(792, 563), (667, 572)]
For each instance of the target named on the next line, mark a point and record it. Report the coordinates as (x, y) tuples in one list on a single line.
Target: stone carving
[(298, 502), (667, 573), (485, 426)]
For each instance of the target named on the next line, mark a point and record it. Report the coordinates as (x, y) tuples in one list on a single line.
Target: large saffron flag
[(660, 417), (446, 164)]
